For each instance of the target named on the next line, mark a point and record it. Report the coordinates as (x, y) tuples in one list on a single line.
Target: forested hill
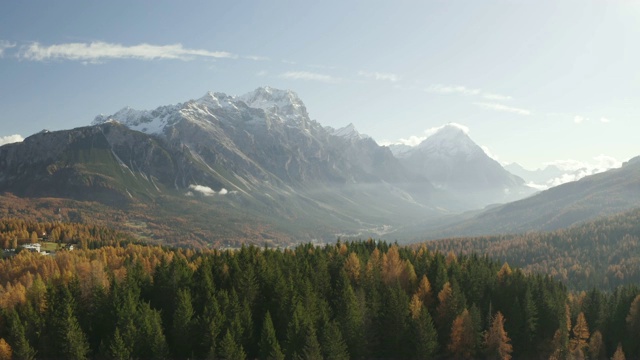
[(348, 300), (604, 253)]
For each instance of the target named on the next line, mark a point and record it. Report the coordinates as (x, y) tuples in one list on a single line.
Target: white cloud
[(206, 191), (262, 73), (500, 107), (576, 170), (306, 75), (10, 139), (605, 120), (98, 51), (4, 45), (539, 187), (433, 130), (452, 89), (411, 140), (497, 97), (578, 119), (379, 76)]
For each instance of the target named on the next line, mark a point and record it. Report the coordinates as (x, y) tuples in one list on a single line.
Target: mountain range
[(257, 168), (457, 165)]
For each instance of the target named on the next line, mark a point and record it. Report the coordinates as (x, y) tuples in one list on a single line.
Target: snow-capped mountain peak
[(450, 139), (216, 100), (284, 103), (350, 132)]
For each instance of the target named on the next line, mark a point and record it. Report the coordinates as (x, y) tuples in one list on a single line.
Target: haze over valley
[(330, 180)]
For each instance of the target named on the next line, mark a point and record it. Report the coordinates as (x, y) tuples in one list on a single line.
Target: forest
[(604, 253), (117, 299)]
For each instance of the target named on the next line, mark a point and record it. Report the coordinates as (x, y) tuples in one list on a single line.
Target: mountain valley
[(224, 170)]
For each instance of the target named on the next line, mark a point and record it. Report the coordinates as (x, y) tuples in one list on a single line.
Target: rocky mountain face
[(261, 149), (257, 156), (265, 135), (456, 164), (108, 163)]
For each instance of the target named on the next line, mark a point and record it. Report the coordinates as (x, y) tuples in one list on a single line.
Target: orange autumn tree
[(424, 292), (5, 350), (463, 337), (496, 340), (580, 333)]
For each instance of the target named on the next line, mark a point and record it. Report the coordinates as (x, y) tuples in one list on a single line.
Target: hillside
[(603, 253), (560, 207)]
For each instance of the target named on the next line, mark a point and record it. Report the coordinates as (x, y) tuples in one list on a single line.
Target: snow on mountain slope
[(450, 140), (282, 106), (452, 161), (348, 132)]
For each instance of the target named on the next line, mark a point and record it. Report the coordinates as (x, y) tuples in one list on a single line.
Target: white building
[(32, 247)]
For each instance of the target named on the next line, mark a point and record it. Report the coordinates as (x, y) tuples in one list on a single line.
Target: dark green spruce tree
[(269, 348)]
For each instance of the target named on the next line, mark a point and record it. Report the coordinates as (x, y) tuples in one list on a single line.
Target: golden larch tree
[(392, 265), (505, 271), (596, 346), (619, 354), (580, 333), (497, 342), (633, 318), (352, 267), (5, 350), (463, 337), (415, 306), (424, 291)]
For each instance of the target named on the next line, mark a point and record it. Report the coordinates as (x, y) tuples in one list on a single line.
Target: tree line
[(357, 300)]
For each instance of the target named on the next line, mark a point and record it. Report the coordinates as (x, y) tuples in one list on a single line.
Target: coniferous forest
[(354, 300)]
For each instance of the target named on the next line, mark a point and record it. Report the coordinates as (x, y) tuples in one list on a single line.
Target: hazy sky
[(535, 81)]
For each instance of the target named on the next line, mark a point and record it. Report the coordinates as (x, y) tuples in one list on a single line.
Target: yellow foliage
[(352, 267), (415, 307), (424, 291), (505, 271), (5, 350)]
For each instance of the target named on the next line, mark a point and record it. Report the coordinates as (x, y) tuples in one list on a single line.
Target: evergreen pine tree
[(312, 349), (350, 316), (333, 344), (118, 350), (268, 346), (424, 335), (75, 342), (67, 338), (183, 325), (229, 349), (22, 350)]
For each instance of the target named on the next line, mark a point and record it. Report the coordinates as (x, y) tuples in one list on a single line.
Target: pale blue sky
[(535, 81)]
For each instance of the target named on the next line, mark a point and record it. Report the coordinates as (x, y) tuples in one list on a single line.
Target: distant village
[(42, 247)]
